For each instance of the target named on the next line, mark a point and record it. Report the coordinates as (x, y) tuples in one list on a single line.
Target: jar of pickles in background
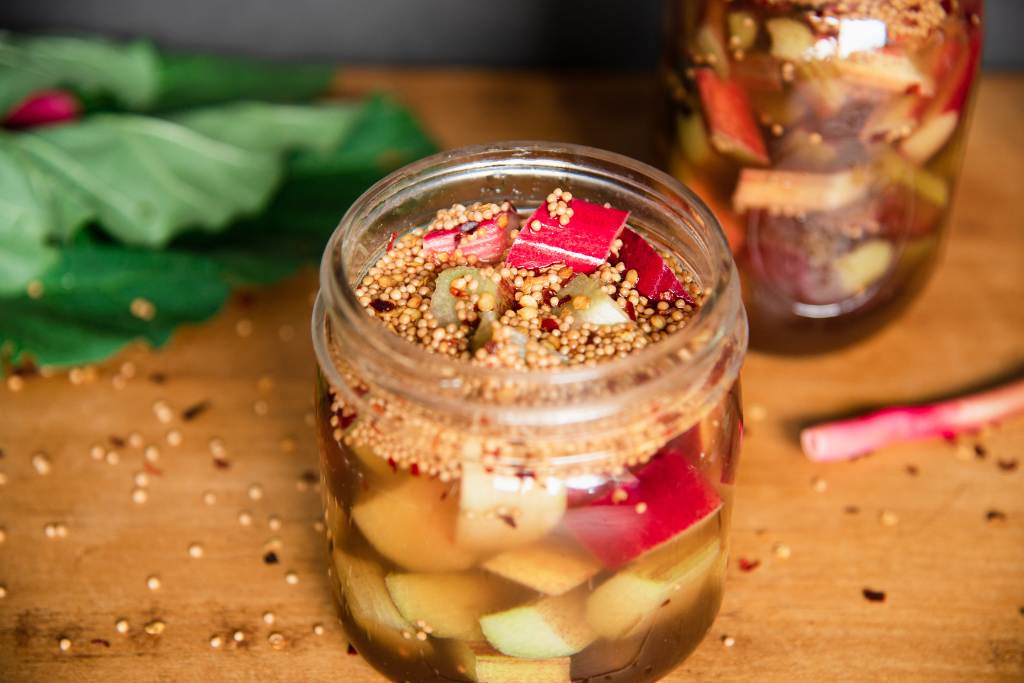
[(559, 522), (827, 137)]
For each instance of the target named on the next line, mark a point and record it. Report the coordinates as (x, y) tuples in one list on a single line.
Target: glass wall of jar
[(827, 138), (542, 525)]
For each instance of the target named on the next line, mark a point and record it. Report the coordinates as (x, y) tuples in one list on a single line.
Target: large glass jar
[(827, 137), (550, 525)]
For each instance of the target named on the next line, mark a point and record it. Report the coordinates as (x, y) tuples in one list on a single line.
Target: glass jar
[(827, 138), (545, 526)]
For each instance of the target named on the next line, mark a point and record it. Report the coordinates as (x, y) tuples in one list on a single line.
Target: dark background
[(510, 33)]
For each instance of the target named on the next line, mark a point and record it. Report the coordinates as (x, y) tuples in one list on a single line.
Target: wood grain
[(954, 582)]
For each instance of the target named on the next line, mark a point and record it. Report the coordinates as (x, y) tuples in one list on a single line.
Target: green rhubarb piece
[(930, 137), (450, 604), (743, 29), (864, 266), (442, 303), (483, 664), (554, 565), (796, 192), (367, 600), (554, 626), (922, 182), (413, 525), (626, 604), (589, 303), (791, 40), (693, 139), (498, 511)]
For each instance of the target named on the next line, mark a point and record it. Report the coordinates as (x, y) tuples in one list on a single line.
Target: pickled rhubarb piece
[(923, 183), (589, 303), (553, 565), (954, 70), (710, 39), (743, 30), (891, 119), (864, 266), (847, 439), (930, 137), (669, 496), (795, 192), (486, 240), (502, 511), (367, 600), (413, 525), (730, 118), (583, 243), (628, 603), (446, 294), (483, 664), (656, 279), (791, 40), (451, 604), (554, 626), (888, 71)]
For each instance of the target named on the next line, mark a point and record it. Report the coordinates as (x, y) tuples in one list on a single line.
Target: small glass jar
[(827, 138), (545, 526)]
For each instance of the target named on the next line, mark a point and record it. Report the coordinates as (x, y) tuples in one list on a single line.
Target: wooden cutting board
[(912, 521)]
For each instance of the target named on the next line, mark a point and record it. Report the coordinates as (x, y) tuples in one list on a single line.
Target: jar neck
[(683, 375)]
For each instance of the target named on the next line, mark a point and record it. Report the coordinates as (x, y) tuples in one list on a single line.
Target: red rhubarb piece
[(730, 118), (583, 243), (486, 240), (657, 280), (43, 107), (668, 496)]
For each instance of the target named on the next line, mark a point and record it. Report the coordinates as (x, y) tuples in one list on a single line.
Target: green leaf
[(85, 311), (97, 69)]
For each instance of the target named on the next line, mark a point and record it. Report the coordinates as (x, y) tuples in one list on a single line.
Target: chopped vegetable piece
[(445, 297), (483, 664), (589, 303), (931, 137), (847, 439), (668, 497), (865, 265), (743, 30), (486, 240), (583, 243), (553, 565), (893, 117), (656, 279), (451, 604), (709, 40), (730, 118), (886, 71), (501, 511), (794, 192), (554, 626), (791, 40), (626, 604), (413, 525), (43, 107)]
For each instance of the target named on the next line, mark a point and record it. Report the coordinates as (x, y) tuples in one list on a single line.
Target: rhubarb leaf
[(85, 311)]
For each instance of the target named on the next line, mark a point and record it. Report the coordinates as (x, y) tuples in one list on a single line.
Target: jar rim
[(718, 317)]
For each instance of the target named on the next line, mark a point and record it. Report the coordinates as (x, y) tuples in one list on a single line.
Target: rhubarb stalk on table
[(848, 439)]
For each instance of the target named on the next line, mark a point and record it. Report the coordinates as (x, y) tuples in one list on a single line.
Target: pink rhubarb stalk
[(847, 439), (43, 107)]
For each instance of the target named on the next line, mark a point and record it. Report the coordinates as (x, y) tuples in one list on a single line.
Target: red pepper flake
[(117, 441), (393, 465), (912, 470), (221, 463), (631, 310), (195, 410), (851, 510), (391, 241), (1005, 464), (414, 469), (979, 451), (352, 651), (508, 519), (100, 641), (152, 469), (995, 516), (270, 557), (158, 378), (309, 476), (873, 595), (382, 306), (549, 325), (748, 565)]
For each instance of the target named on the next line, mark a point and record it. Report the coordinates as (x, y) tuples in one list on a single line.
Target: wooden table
[(954, 580)]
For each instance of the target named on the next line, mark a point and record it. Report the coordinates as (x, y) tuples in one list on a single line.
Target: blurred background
[(466, 32)]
